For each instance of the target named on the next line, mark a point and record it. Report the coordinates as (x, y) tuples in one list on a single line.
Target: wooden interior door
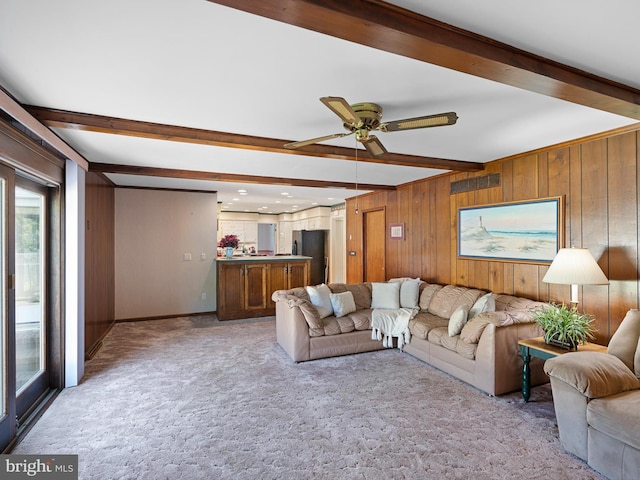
[(374, 234)]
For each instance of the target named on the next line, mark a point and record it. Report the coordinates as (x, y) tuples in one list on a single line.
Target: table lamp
[(575, 266)]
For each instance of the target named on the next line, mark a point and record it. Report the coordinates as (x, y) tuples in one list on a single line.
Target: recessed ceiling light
[(289, 196), (277, 201), (284, 193), (330, 198), (314, 203), (235, 199), (242, 190)]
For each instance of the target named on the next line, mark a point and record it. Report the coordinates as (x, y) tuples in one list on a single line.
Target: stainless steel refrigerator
[(311, 243)]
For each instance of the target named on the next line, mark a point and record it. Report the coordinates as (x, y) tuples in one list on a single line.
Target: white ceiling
[(197, 64)]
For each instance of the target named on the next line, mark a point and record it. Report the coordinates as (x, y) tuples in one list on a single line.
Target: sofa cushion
[(309, 312), (617, 416), (319, 296), (439, 335), (361, 319), (486, 303), (385, 295), (636, 360), (361, 292), (624, 342), (426, 294), (346, 324), (448, 298), (423, 322), (332, 325), (342, 303), (509, 302), (593, 374), (457, 320), (466, 350)]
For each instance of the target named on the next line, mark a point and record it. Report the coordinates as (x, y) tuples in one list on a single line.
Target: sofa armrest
[(292, 331), (593, 374)]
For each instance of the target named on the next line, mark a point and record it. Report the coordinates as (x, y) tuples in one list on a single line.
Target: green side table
[(536, 347)]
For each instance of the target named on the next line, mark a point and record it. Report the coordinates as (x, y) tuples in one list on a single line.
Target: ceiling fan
[(363, 118)]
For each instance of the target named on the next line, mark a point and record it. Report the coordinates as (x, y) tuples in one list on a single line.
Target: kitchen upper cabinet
[(247, 231)]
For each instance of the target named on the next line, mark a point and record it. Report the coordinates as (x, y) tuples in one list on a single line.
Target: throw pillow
[(385, 295), (342, 303), (320, 298), (457, 320), (409, 293), (486, 303), (636, 360)]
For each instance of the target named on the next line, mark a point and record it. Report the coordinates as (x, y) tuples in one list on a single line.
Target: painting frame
[(396, 231), (527, 231)]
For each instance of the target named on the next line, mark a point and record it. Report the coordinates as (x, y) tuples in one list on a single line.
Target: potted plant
[(229, 243), (563, 326)]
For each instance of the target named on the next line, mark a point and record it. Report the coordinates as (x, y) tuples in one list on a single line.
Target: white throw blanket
[(386, 324)]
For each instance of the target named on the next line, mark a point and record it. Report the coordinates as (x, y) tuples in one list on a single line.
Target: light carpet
[(193, 398)]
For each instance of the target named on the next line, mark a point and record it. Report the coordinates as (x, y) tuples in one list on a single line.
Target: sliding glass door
[(24, 350), (7, 384), (30, 320)]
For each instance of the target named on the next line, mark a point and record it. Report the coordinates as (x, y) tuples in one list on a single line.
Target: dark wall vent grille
[(476, 183)]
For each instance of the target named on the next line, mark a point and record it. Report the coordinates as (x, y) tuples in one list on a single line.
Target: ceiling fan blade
[(438, 120), (304, 143), (340, 107), (374, 146)]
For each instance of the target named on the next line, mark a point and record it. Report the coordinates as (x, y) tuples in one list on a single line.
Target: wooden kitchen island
[(245, 284)]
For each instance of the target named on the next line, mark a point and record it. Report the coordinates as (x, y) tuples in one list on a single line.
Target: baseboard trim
[(164, 317)]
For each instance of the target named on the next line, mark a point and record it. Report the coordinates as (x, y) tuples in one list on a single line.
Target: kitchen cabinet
[(286, 275), (245, 284)]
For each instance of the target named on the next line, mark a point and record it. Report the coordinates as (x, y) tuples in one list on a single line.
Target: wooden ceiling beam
[(119, 126), (231, 177), (383, 26)]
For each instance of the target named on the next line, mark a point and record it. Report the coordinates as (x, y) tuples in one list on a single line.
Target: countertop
[(262, 258)]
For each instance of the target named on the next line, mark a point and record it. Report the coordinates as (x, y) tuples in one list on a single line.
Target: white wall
[(338, 247), (154, 230), (74, 245)]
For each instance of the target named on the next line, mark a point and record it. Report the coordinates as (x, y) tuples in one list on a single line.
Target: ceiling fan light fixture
[(362, 118)]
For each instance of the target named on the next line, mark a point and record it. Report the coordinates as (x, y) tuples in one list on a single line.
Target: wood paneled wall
[(600, 181), (99, 261)]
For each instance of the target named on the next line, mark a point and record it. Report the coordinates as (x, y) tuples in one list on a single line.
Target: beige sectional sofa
[(597, 401), (484, 353)]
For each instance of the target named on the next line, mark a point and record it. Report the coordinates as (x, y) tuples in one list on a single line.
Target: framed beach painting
[(526, 231)]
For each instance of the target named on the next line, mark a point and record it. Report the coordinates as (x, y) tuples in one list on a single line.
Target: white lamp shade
[(575, 266)]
